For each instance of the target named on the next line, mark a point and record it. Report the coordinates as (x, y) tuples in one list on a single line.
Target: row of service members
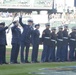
[(59, 40), (29, 34), (49, 40), (18, 40)]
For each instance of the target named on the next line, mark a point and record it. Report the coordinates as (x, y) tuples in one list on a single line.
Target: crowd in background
[(67, 17)]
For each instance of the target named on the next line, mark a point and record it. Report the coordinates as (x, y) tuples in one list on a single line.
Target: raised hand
[(14, 15), (21, 13)]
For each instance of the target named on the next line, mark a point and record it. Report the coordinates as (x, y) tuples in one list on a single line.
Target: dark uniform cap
[(60, 27), (2, 23), (66, 26), (30, 20), (47, 24), (37, 25), (14, 22), (53, 28)]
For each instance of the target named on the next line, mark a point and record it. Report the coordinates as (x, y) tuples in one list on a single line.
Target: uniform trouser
[(45, 53), (71, 52), (35, 52), (23, 45), (59, 51), (52, 54), (64, 52), (2, 53), (75, 54), (14, 53)]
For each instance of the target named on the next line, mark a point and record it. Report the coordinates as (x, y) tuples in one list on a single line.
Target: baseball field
[(29, 68)]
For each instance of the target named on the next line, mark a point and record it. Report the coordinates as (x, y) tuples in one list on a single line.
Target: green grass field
[(26, 69)]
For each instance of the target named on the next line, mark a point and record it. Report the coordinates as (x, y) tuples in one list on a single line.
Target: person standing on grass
[(25, 38), (65, 43), (35, 44), (16, 35), (53, 45), (59, 44), (72, 44), (46, 37), (3, 43)]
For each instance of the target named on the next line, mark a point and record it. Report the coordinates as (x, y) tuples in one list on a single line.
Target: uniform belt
[(47, 37), (65, 37), (60, 39), (73, 39), (53, 40)]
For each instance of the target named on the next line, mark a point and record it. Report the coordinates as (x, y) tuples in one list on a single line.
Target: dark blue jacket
[(53, 39), (3, 36), (46, 37), (65, 37), (16, 35), (35, 36), (60, 38), (72, 39), (26, 34), (60, 35)]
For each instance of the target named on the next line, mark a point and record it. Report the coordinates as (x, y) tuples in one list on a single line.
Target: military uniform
[(65, 44), (35, 44), (3, 43), (53, 45), (72, 43), (16, 35), (25, 40), (46, 44), (59, 44)]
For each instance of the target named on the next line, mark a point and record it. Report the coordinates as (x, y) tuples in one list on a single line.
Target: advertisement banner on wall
[(26, 4)]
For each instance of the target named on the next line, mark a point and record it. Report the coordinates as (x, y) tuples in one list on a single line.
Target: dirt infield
[(8, 50)]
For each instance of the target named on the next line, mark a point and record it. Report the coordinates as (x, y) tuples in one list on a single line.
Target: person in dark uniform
[(65, 43), (16, 34), (25, 38), (72, 43), (59, 44), (36, 41), (53, 45), (46, 43), (3, 43)]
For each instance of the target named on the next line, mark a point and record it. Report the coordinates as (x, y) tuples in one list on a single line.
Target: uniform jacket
[(46, 37), (53, 39), (26, 34), (60, 36), (35, 37), (16, 35), (72, 38), (65, 37), (3, 36)]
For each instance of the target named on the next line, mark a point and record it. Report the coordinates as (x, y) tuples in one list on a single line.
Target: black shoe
[(5, 63), (42, 61), (33, 62), (27, 62), (17, 62), (37, 62), (11, 62)]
